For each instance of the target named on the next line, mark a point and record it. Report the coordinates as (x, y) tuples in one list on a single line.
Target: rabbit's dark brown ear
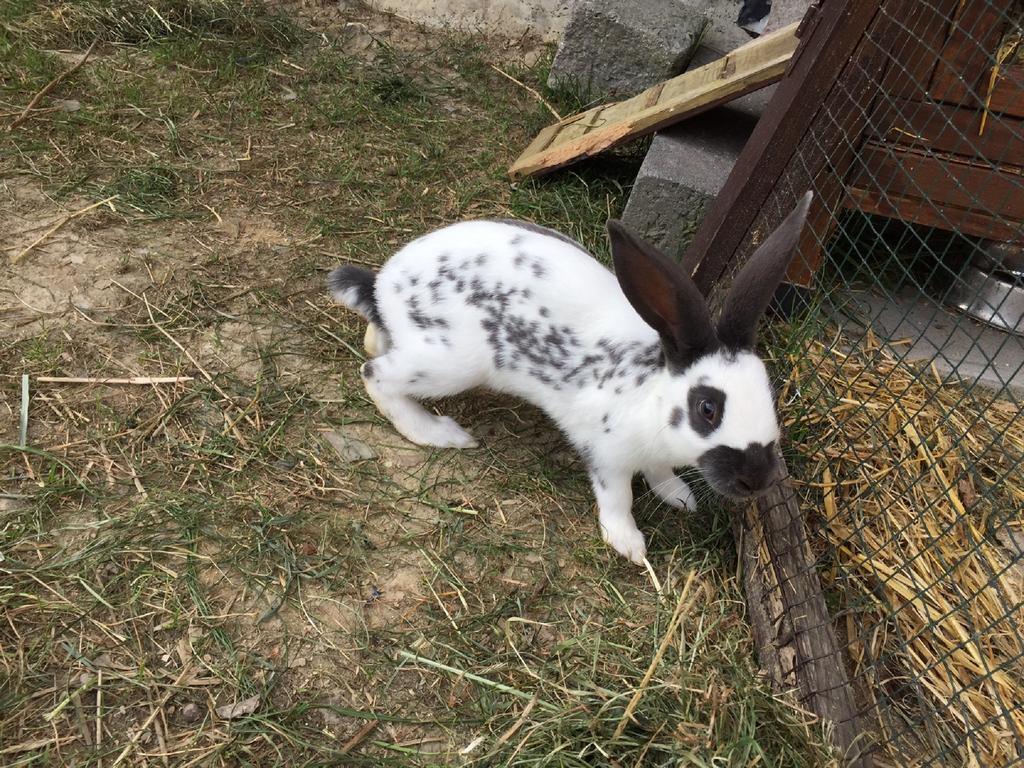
[(663, 295), (755, 285)]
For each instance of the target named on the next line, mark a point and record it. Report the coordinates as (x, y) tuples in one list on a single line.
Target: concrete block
[(688, 163), (615, 48), (786, 12), (684, 169), (514, 19)]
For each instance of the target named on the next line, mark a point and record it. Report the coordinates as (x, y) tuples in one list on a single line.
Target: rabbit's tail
[(354, 287)]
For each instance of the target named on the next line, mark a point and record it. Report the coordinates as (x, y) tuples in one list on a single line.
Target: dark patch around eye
[(367, 370), (699, 422)]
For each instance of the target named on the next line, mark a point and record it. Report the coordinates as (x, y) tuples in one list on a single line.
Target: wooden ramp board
[(759, 63)]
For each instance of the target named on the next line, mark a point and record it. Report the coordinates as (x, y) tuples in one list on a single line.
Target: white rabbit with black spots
[(629, 365)]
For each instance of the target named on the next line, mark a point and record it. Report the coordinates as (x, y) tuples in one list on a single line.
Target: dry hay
[(921, 490)]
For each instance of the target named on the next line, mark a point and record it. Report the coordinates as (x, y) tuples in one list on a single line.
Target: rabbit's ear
[(663, 295), (755, 285), (753, 288)]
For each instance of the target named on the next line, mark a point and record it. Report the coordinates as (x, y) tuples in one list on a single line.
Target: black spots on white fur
[(545, 312), (480, 260), (604, 423), (538, 270), (422, 320), (414, 280), (435, 290), (516, 240), (519, 260), (518, 341), (676, 417)]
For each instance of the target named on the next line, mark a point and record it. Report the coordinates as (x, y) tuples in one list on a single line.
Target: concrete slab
[(684, 169), (688, 163), (538, 19), (616, 49), (920, 330)]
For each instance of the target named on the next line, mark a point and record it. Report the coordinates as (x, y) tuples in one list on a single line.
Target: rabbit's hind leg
[(391, 383)]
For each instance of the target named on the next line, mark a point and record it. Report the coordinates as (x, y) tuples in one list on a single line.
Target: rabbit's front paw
[(625, 539)]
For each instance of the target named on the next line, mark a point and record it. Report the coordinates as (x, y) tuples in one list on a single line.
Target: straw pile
[(921, 491)]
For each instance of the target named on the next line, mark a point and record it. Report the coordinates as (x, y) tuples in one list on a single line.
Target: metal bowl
[(1004, 258), (991, 298)]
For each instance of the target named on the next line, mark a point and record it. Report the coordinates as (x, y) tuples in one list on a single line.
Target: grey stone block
[(786, 12), (684, 169), (616, 48)]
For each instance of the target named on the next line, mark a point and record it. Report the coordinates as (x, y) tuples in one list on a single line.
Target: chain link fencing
[(902, 377)]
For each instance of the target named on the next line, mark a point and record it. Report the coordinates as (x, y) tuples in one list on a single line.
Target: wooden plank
[(965, 61), (809, 644), (932, 26), (955, 130), (750, 67), (944, 179), (950, 218), (1007, 92)]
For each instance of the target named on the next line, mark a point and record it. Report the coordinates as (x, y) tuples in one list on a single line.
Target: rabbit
[(629, 365)]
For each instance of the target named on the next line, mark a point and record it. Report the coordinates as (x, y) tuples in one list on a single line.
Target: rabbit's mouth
[(740, 473)]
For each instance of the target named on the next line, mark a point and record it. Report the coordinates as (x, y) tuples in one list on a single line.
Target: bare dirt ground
[(247, 565)]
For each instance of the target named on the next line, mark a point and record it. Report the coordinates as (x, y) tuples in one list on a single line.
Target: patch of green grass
[(76, 23), (151, 189)]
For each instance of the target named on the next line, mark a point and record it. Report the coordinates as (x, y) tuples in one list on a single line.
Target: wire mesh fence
[(903, 376)]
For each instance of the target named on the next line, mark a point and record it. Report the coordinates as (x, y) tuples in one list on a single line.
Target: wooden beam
[(966, 59), (956, 130), (923, 211), (759, 63), (945, 180)]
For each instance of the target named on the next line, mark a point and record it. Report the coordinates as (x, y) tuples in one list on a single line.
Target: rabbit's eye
[(708, 409)]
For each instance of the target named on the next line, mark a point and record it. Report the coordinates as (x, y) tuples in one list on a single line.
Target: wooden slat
[(944, 180), (950, 218), (754, 65), (956, 130), (962, 74)]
